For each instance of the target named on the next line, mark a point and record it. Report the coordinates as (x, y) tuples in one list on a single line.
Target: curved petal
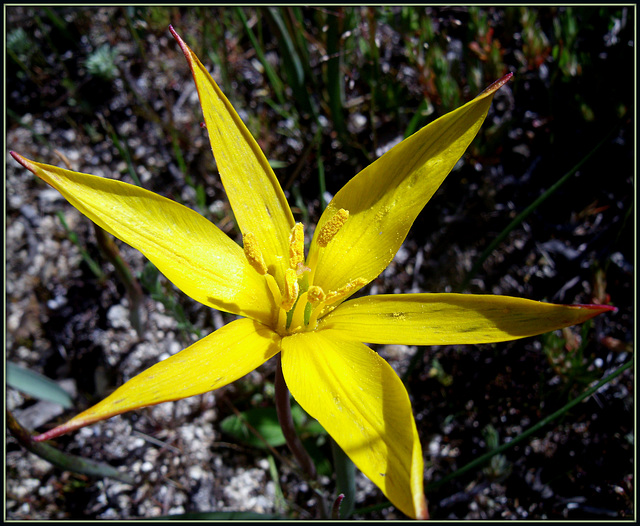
[(212, 362), (255, 194), (384, 199), (189, 250), (361, 402), (450, 319)]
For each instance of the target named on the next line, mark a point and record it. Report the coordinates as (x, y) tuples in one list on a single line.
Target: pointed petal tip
[(182, 43), (497, 84), (598, 308), (55, 432), (24, 162), (422, 509), (70, 425)]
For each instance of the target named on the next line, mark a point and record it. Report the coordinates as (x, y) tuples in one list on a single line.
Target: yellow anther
[(296, 246), (331, 227), (291, 289), (315, 295), (345, 290), (253, 253)]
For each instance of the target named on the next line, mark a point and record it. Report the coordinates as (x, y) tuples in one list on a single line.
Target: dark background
[(109, 89)]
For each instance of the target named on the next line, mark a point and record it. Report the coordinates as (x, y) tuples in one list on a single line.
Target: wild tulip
[(298, 305)]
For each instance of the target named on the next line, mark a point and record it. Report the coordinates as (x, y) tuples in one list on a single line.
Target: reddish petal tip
[(177, 37), (498, 84), (55, 432), (183, 45), (23, 161), (599, 308)]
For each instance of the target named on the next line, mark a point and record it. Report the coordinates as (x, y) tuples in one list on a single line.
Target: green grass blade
[(474, 464), (95, 267), (345, 479), (292, 64), (274, 80), (122, 148), (334, 82), (532, 430), (527, 212)]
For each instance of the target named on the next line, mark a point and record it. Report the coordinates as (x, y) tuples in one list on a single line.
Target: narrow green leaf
[(274, 80), (61, 459), (334, 77), (292, 64), (345, 479), (527, 211), (479, 461), (73, 237), (36, 385)]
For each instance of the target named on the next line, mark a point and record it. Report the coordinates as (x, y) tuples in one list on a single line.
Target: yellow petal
[(384, 199), (188, 249), (212, 362), (450, 319), (256, 197), (361, 402)]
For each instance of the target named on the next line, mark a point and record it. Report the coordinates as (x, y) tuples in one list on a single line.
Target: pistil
[(298, 304)]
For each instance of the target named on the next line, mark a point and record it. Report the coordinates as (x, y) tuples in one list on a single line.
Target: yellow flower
[(297, 306)]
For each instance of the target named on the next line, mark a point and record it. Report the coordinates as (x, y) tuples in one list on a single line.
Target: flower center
[(299, 303)]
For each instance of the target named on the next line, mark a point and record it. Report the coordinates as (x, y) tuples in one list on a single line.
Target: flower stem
[(283, 408)]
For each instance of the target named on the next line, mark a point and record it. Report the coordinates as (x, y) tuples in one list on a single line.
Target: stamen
[(316, 295), (291, 289), (345, 290), (325, 305), (331, 227), (253, 253), (296, 246)]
